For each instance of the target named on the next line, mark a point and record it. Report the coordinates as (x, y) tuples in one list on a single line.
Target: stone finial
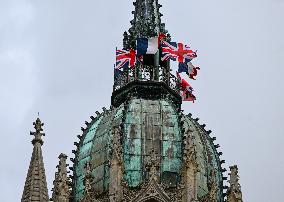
[(38, 132), (61, 190), (234, 192), (35, 189)]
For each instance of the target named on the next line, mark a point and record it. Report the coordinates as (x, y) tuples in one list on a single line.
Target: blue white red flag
[(188, 68), (125, 58), (147, 46), (177, 51), (186, 91)]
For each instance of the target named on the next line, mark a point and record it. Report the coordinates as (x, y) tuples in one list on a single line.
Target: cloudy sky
[(56, 58)]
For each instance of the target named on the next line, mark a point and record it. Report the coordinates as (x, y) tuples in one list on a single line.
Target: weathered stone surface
[(35, 189), (62, 189)]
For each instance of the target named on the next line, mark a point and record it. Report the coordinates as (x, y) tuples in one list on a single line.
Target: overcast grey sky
[(56, 58)]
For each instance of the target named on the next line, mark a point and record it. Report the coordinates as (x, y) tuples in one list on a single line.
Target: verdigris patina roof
[(146, 124), (144, 142)]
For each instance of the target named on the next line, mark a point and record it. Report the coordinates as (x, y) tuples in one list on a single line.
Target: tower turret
[(35, 189), (153, 75)]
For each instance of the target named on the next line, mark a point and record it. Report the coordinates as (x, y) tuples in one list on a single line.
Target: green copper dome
[(144, 148), (145, 124)]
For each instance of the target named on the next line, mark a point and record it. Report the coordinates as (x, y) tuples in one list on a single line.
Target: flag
[(177, 51), (147, 46), (186, 91), (161, 37), (125, 58), (188, 96), (188, 68)]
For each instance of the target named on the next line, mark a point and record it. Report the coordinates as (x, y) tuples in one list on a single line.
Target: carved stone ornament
[(117, 147), (213, 187), (150, 189), (89, 194), (234, 192), (116, 167), (189, 153), (62, 189), (189, 169)]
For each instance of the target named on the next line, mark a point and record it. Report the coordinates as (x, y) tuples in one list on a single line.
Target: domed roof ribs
[(35, 186), (146, 22)]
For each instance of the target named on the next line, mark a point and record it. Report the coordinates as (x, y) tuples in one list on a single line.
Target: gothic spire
[(61, 190), (35, 189), (234, 192), (146, 22)]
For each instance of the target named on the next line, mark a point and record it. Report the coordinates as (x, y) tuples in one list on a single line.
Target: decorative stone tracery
[(116, 167), (189, 169), (150, 189)]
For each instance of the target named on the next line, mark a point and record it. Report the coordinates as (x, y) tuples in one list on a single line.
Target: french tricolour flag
[(147, 46)]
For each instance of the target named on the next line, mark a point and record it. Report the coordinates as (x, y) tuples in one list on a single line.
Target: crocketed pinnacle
[(234, 192), (146, 23), (35, 189), (61, 190)]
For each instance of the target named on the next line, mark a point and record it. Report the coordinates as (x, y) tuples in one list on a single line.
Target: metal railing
[(146, 73)]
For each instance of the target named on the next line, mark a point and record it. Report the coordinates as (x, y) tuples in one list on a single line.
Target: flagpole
[(157, 62)]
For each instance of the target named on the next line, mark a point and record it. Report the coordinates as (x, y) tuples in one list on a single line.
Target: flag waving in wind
[(147, 46), (177, 51), (188, 68), (186, 91), (125, 58)]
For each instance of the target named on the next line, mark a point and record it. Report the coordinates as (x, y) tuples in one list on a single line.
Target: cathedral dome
[(144, 126), (144, 148)]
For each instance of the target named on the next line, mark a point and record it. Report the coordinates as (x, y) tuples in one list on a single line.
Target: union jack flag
[(125, 58), (186, 91), (177, 51)]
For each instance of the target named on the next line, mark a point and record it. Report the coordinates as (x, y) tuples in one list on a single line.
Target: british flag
[(186, 91), (125, 58), (177, 51)]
